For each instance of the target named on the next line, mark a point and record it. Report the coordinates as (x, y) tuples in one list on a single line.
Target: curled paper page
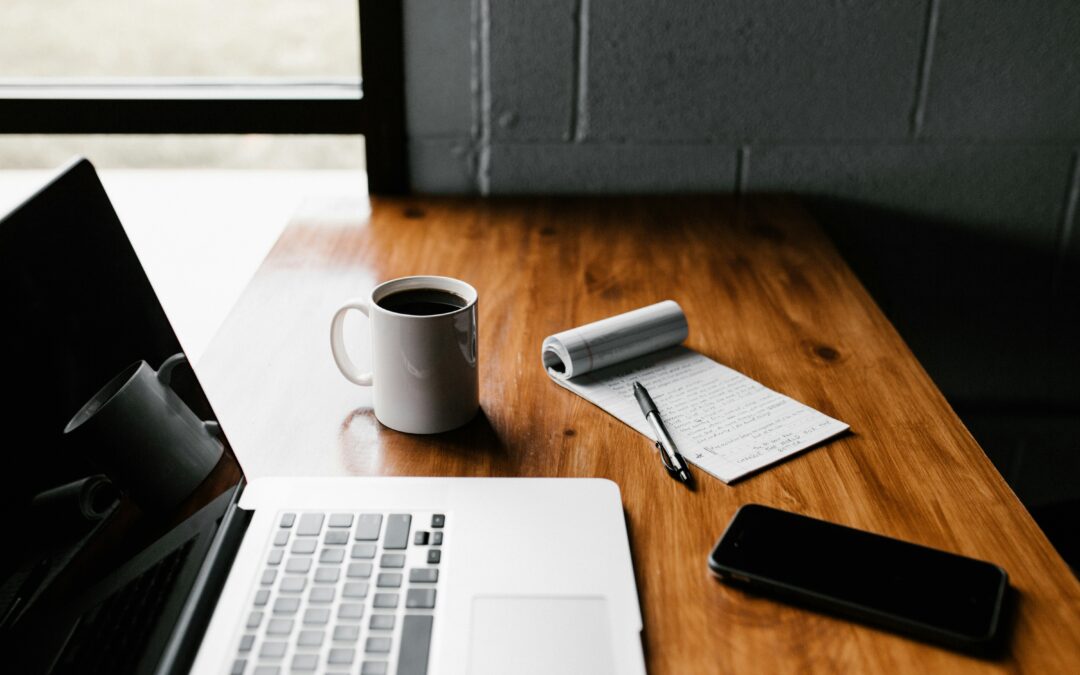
[(613, 340), (78, 504)]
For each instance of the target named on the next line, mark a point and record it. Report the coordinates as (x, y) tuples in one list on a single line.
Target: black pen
[(669, 454)]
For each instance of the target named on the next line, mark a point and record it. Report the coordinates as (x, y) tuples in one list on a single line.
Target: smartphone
[(920, 591)]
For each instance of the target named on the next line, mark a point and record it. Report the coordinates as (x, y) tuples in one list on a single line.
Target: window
[(307, 39), (167, 67)]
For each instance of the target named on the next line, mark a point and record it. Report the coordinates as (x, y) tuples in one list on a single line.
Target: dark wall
[(939, 138)]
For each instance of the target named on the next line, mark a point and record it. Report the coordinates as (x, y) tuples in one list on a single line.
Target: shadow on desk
[(997, 650), (473, 449), (992, 311)]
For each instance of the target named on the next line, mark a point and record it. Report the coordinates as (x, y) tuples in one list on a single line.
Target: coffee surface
[(422, 302)]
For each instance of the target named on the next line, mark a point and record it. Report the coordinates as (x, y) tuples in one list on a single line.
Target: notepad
[(723, 421)]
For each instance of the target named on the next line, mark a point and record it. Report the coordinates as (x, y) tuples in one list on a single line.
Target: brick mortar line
[(474, 69), (578, 103), (483, 30), (1068, 220), (926, 57), (742, 168)]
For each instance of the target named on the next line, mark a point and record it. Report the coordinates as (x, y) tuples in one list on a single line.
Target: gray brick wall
[(938, 138)]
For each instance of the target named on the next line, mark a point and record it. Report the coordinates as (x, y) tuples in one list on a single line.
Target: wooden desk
[(765, 293)]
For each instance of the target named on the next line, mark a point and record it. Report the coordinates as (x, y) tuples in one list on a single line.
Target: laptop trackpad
[(534, 635)]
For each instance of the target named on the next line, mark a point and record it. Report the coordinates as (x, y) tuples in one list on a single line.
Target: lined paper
[(724, 422)]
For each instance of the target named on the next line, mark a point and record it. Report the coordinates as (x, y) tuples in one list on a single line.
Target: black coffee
[(422, 302)]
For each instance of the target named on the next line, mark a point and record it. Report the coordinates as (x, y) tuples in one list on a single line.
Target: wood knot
[(599, 280), (826, 353), (414, 212), (569, 432)]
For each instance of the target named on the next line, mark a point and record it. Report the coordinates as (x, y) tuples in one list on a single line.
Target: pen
[(669, 453)]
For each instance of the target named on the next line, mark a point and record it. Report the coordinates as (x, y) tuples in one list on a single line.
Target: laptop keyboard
[(344, 593), (112, 636)]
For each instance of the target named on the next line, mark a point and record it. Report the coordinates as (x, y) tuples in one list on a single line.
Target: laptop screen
[(96, 430)]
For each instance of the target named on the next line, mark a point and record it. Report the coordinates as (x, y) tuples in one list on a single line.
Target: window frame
[(372, 105)]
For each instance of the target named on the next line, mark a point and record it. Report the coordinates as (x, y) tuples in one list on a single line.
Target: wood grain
[(765, 293)]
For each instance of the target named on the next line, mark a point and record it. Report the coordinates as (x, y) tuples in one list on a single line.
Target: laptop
[(370, 575)]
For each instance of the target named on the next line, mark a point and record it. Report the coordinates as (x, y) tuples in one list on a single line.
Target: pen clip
[(664, 457)]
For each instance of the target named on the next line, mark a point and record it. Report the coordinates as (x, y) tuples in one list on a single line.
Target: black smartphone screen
[(876, 578)]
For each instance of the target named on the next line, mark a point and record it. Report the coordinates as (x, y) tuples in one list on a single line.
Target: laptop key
[(436, 538), (262, 597), (382, 622), (386, 600), (287, 519), (310, 524), (254, 619), (415, 644), (389, 580), (373, 668), (368, 526), (336, 537), (279, 627), (310, 638), (298, 565), (275, 556), (434, 556), (246, 642), (420, 538), (392, 560), (420, 598), (267, 670), (268, 576), (341, 655), (305, 662), (355, 589), (316, 616), (437, 521), (292, 584), (272, 650), (424, 575), (397, 531), (331, 555), (303, 546), (363, 551), (286, 605), (321, 594), (327, 575), (340, 520), (360, 570), (238, 667), (351, 610), (377, 645), (347, 633), (281, 537)]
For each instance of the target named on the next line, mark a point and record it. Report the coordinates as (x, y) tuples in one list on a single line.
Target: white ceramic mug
[(424, 367)]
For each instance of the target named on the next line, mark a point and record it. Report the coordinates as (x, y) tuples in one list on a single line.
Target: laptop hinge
[(184, 642)]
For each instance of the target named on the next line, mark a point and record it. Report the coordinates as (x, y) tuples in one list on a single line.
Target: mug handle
[(164, 376), (337, 343), (164, 373)]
